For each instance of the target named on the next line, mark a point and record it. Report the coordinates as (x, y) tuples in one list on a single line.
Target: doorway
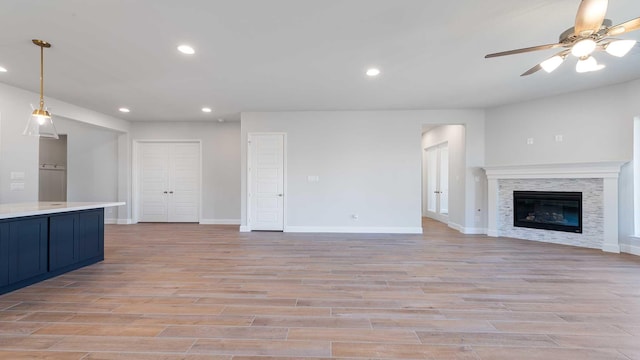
[(168, 179), (266, 182), (437, 182), (52, 169)]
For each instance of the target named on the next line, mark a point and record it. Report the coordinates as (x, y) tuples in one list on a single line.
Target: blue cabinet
[(4, 254), (63, 241), (28, 256), (91, 235), (75, 237), (40, 247)]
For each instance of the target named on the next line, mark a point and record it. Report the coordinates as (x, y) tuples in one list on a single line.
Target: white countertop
[(8, 211)]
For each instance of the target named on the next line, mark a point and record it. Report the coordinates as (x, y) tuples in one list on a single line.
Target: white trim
[(630, 249), (135, 170), (220, 222), (601, 170), (110, 221), (467, 231), (611, 248), (125, 222), (455, 226), (353, 230), (245, 228), (474, 231), (636, 175)]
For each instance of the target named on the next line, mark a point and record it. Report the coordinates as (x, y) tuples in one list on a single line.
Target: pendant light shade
[(40, 122)]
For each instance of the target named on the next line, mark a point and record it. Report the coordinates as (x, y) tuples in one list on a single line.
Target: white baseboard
[(124, 222), (474, 231), (110, 221), (630, 249), (220, 222), (492, 233), (467, 231), (455, 226), (244, 228), (353, 230), (611, 248)]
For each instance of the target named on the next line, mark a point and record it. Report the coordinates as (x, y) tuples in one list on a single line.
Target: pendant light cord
[(41, 77)]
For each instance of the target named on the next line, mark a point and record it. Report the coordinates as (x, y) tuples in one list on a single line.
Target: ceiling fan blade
[(625, 27), (590, 17), (524, 50), (559, 59), (534, 69)]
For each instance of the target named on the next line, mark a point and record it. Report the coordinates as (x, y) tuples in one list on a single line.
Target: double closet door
[(170, 182)]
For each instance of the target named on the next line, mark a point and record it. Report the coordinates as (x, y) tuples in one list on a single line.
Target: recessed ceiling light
[(186, 49), (2, 69), (206, 110), (124, 110), (220, 120), (373, 72)]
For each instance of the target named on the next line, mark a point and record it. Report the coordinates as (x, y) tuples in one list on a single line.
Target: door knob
[(280, 195), (165, 192), (170, 192)]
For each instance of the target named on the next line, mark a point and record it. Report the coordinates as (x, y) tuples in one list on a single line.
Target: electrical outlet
[(354, 216), (559, 138), (530, 141)]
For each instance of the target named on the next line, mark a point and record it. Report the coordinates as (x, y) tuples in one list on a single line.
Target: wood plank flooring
[(191, 292)]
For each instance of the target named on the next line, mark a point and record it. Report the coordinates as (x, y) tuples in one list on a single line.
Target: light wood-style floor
[(170, 291)]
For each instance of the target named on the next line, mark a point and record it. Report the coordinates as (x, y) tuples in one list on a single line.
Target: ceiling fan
[(591, 32)]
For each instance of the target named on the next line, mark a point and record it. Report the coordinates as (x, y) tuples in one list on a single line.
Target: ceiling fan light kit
[(620, 48), (591, 33), (588, 64)]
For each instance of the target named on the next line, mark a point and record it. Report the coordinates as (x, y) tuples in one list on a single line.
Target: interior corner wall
[(220, 162), (368, 163), (92, 163), (595, 125), (20, 153)]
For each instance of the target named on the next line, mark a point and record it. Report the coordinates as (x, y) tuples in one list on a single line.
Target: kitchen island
[(45, 239)]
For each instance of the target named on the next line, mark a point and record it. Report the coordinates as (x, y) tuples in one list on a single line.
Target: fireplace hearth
[(549, 210)]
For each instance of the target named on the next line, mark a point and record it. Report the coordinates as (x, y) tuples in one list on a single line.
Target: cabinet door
[(4, 254), (91, 234), (63, 241), (27, 248)]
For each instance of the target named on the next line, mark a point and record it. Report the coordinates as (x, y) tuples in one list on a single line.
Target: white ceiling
[(285, 55)]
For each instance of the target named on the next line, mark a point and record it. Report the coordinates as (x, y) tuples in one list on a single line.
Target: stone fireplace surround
[(597, 181)]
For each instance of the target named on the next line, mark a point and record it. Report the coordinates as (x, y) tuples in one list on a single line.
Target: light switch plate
[(16, 186), (17, 175), (313, 178)]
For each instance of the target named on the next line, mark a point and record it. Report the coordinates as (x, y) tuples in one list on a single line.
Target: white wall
[(596, 125), (20, 153), (454, 136), (92, 163), (220, 161), (369, 163)]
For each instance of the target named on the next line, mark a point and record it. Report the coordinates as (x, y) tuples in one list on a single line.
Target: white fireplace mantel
[(608, 171)]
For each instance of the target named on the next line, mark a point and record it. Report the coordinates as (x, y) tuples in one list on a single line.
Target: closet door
[(184, 173), (154, 182), (170, 182)]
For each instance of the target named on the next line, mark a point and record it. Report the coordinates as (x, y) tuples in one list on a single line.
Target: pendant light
[(40, 122)]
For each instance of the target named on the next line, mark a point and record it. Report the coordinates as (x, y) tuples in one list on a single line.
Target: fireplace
[(549, 210)]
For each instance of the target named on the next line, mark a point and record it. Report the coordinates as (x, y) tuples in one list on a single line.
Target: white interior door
[(266, 176), (170, 182), (437, 182), (184, 194), (154, 182)]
